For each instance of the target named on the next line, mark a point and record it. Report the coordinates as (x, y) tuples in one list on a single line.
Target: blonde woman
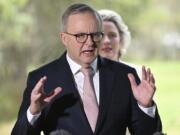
[(116, 38)]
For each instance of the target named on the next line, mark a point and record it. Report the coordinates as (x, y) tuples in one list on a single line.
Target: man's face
[(83, 53)]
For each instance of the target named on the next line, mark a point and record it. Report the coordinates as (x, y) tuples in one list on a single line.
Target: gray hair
[(112, 16), (79, 8)]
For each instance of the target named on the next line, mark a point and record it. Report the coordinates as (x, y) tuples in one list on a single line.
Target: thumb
[(132, 80)]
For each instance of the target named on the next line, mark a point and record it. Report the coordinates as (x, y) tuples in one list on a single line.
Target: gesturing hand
[(39, 99), (143, 92)]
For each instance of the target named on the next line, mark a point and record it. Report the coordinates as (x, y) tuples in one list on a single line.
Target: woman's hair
[(112, 16)]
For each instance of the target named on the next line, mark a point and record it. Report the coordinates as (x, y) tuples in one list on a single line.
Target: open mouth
[(88, 52)]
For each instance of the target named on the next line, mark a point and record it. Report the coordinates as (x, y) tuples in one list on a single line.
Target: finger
[(152, 82), (148, 75), (152, 79), (40, 84), (143, 73), (132, 80), (153, 85), (53, 94)]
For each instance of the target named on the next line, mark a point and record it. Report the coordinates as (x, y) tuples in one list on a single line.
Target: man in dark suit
[(54, 101)]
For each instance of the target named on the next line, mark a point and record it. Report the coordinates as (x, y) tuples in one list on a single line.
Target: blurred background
[(29, 38)]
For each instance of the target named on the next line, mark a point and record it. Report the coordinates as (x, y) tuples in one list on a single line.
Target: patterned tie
[(89, 98)]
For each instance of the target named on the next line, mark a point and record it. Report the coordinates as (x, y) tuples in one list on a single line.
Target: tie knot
[(87, 71)]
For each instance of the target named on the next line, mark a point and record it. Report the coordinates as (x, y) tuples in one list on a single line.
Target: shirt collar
[(75, 67)]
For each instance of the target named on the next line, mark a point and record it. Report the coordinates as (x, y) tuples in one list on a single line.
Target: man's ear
[(63, 38)]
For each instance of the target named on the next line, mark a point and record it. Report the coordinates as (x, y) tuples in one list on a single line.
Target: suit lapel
[(106, 77)]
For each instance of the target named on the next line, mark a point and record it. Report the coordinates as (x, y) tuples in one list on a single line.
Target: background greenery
[(29, 38)]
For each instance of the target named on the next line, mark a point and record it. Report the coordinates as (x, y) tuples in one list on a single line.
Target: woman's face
[(110, 45)]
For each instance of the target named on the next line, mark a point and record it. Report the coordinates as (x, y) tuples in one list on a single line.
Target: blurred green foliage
[(167, 75)]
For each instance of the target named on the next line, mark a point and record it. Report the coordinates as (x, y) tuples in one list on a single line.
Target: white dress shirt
[(79, 79)]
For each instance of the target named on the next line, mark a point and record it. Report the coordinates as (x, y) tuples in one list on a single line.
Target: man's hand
[(143, 92), (39, 99)]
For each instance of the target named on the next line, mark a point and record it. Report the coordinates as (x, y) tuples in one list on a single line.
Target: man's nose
[(90, 39)]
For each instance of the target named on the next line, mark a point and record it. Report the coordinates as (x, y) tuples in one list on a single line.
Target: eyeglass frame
[(86, 34)]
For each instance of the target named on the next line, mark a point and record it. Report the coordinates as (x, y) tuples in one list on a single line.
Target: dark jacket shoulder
[(114, 65)]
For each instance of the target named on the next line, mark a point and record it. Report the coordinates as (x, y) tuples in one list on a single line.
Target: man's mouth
[(88, 52)]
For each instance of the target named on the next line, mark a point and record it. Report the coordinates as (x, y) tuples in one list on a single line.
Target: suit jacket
[(117, 108)]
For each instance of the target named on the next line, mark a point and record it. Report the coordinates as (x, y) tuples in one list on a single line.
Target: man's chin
[(88, 60)]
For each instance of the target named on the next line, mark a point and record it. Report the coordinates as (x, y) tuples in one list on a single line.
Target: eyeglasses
[(82, 37)]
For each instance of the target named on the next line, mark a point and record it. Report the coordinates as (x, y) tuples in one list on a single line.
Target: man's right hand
[(39, 99)]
